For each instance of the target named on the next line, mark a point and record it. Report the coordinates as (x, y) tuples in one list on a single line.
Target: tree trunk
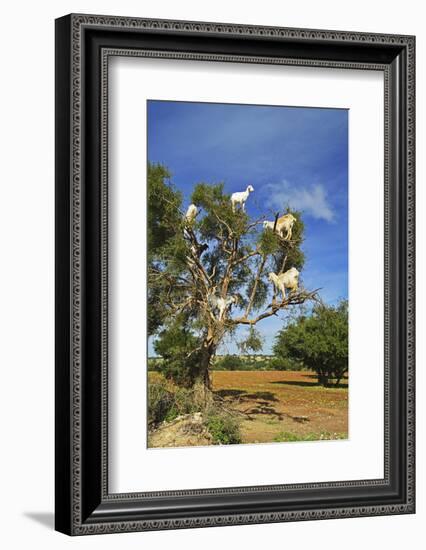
[(203, 395), (323, 379), (339, 377)]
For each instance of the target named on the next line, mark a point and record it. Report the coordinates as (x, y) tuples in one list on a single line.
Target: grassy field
[(283, 405)]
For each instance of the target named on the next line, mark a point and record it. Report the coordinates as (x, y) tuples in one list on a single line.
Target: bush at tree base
[(166, 402)]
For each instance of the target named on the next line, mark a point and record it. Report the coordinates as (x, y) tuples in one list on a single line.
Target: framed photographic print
[(234, 274)]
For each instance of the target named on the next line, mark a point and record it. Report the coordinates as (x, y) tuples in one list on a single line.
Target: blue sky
[(290, 155)]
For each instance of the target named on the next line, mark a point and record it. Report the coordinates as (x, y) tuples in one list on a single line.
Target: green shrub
[(184, 401), (262, 363), (165, 404), (160, 403), (229, 362), (256, 363), (242, 362), (223, 428), (281, 363), (179, 362), (154, 364)]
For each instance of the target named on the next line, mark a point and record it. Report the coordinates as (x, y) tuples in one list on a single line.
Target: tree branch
[(223, 222), (294, 299), (255, 285), (246, 257), (255, 223)]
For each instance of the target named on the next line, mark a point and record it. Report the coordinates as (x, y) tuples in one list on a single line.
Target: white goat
[(285, 223), (240, 198), (268, 225), (289, 279), (191, 213), (222, 304)]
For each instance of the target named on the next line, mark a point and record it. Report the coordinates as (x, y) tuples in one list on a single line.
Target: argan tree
[(194, 268), (319, 341)]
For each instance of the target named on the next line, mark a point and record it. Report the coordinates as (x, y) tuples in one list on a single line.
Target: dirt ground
[(284, 405)]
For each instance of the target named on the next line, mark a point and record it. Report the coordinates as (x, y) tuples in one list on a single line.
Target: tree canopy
[(208, 275)]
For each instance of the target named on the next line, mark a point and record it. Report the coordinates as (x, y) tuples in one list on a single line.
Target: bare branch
[(213, 273), (173, 205), (283, 264), (255, 223), (246, 257), (255, 285), (292, 299), (223, 222)]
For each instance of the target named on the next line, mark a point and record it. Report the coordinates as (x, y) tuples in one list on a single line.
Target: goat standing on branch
[(191, 214), (289, 279), (222, 304), (240, 198), (283, 224)]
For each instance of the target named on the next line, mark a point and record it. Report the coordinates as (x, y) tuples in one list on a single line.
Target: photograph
[(247, 274)]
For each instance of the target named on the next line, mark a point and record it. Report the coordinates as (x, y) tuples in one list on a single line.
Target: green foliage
[(224, 428), (261, 293), (164, 202), (284, 253), (295, 255), (259, 363), (319, 341), (254, 363), (269, 242), (219, 219), (155, 310), (160, 402), (167, 402), (177, 344), (281, 363), (229, 362), (153, 364)]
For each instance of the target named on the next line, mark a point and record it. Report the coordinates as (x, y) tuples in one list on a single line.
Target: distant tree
[(229, 362), (221, 255), (319, 341)]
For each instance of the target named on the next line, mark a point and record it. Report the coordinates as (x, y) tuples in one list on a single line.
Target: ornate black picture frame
[(83, 45)]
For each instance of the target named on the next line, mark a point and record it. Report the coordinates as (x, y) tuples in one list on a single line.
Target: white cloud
[(312, 199)]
